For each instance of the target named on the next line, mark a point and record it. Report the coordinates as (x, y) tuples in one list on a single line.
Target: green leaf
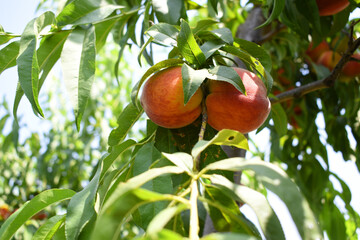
[(267, 218), (257, 52), (78, 63), (5, 37), (224, 34), (114, 154), (227, 74), (27, 61), (77, 217), (188, 46), (276, 180), (47, 54), (192, 79), (280, 119), (8, 56), (228, 236), (102, 30), (85, 11), (278, 6), (225, 213), (182, 160), (116, 213), (47, 230), (169, 11), (157, 67), (203, 24), (224, 137), (30, 208), (210, 47), (163, 33), (162, 218), (126, 120)]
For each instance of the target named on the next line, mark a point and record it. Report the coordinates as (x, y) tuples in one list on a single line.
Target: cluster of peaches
[(329, 55), (226, 107)]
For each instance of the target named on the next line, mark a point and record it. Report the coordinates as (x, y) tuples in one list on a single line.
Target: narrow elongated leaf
[(78, 62), (203, 25), (280, 119), (138, 181), (30, 208), (267, 218), (157, 67), (169, 11), (8, 56), (188, 46), (116, 213), (210, 47), (163, 33), (224, 34), (49, 228), (278, 6), (228, 236), (47, 54), (224, 137), (276, 180), (85, 11), (227, 74), (182, 160), (27, 61), (5, 37), (126, 120), (192, 79), (163, 217), (81, 207), (116, 151), (256, 51)]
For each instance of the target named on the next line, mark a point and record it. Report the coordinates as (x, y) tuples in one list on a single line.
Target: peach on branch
[(352, 67), (331, 7), (163, 100), (314, 52), (329, 59), (228, 108)]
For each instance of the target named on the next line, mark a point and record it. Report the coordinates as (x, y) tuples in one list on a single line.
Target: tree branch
[(327, 82)]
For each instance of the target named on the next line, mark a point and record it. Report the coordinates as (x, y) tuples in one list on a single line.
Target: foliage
[(156, 183)]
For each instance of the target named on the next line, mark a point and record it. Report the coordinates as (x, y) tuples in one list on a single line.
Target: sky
[(15, 14)]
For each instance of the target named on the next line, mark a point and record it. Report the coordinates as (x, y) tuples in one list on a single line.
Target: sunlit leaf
[(169, 11), (30, 208), (47, 230), (27, 61), (76, 217), (224, 137), (267, 218), (78, 63), (85, 11), (164, 33), (8, 56), (188, 46), (192, 79), (182, 160)]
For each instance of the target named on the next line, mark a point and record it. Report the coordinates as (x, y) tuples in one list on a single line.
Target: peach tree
[(192, 180)]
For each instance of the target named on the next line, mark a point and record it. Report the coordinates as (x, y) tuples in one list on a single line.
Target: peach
[(163, 100), (228, 108), (315, 52), (352, 68), (331, 7), (329, 59)]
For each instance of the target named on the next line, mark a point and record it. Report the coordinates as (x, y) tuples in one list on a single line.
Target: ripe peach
[(331, 7), (315, 52), (352, 68), (228, 108), (163, 100), (329, 59)]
